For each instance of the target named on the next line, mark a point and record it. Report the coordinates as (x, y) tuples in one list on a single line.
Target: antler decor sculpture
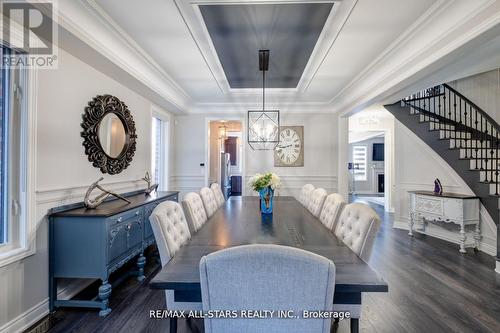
[(94, 203), (150, 188)]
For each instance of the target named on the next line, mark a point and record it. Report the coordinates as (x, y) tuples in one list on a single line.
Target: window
[(359, 161), (160, 152), (16, 154)]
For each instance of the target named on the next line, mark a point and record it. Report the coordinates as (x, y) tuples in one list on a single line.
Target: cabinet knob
[(137, 213), (120, 219)]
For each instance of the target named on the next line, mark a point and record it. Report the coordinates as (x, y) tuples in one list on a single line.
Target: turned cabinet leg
[(477, 236), (463, 238), (104, 293), (141, 262)]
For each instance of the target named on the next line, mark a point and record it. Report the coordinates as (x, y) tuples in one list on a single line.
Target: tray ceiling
[(239, 31)]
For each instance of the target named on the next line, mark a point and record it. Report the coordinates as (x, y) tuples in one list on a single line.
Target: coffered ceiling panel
[(239, 31)]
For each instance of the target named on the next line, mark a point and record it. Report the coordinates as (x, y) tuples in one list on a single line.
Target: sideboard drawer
[(429, 205), (123, 237), (124, 217)]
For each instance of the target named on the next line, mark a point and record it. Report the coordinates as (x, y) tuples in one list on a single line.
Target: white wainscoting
[(291, 185), (187, 183), (488, 228)]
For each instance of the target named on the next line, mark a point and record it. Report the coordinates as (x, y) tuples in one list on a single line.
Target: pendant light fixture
[(263, 126)]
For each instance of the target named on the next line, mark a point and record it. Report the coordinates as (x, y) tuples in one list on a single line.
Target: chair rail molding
[(92, 25)]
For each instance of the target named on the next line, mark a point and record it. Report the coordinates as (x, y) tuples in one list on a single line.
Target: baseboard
[(40, 310), (483, 247)]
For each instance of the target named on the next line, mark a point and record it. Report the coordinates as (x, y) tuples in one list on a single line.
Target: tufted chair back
[(334, 203), (209, 201), (316, 201), (357, 227), (305, 194), (219, 196), (170, 229), (194, 210)]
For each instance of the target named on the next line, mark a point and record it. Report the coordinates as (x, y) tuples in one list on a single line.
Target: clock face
[(290, 147)]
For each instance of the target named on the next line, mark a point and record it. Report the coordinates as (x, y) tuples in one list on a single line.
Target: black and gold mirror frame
[(97, 110)]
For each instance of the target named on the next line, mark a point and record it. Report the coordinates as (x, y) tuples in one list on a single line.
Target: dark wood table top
[(112, 207), (239, 222)]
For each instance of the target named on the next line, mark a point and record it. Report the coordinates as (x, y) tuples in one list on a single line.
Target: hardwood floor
[(432, 288)]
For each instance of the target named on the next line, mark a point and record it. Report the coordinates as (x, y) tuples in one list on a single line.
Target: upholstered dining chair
[(266, 277), (316, 200), (209, 201), (196, 215), (171, 232), (330, 213), (305, 194), (219, 196), (357, 227)]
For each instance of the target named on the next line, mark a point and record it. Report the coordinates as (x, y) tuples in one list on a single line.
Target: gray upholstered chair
[(171, 232), (195, 211), (266, 277), (316, 200), (209, 201), (305, 194), (332, 208), (357, 227), (219, 196)]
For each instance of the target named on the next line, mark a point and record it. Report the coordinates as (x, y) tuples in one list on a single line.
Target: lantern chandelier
[(263, 126)]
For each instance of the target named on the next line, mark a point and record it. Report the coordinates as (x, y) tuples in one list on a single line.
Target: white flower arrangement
[(260, 181)]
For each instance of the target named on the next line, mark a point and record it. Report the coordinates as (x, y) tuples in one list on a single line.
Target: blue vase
[(266, 200)]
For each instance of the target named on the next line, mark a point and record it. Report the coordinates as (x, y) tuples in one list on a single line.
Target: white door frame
[(240, 118)]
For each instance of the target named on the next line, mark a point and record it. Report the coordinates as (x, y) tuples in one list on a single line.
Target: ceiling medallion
[(263, 126)]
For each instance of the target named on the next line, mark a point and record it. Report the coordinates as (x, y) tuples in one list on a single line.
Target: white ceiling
[(171, 34)]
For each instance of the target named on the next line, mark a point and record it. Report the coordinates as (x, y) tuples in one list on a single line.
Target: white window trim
[(157, 112), (27, 237), (365, 174)]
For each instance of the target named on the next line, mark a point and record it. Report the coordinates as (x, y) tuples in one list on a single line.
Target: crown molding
[(451, 24), (88, 22), (240, 108)]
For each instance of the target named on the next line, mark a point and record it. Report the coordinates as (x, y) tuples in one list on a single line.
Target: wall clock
[(290, 150)]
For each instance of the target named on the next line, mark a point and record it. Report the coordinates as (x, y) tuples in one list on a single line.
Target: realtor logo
[(29, 29)]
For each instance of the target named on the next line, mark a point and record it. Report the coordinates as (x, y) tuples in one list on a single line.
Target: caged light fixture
[(263, 126)]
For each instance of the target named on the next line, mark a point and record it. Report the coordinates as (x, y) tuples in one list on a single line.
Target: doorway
[(225, 155), (370, 162)]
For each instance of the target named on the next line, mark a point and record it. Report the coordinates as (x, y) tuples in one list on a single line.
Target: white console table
[(459, 209)]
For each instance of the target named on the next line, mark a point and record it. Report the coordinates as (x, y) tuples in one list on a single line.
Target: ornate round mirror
[(108, 134)]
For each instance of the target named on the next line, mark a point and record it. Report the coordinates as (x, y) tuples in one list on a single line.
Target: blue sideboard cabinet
[(93, 243)]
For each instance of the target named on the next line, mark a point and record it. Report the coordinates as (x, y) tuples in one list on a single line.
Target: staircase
[(462, 134)]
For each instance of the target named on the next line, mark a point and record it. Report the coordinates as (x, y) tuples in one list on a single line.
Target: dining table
[(239, 222)]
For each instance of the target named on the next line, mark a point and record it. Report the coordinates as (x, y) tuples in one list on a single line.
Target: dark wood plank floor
[(432, 288)]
